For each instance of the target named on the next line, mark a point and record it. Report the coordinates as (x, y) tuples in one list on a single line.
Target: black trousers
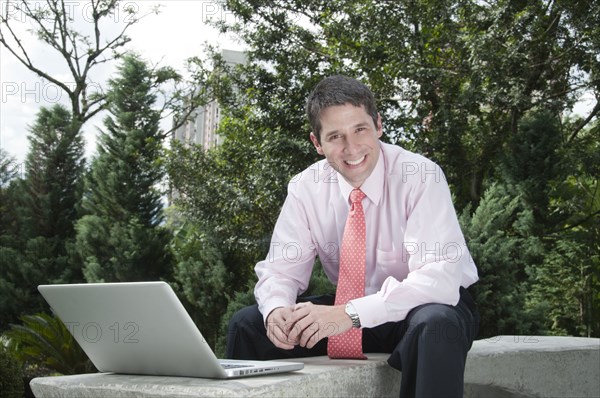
[(430, 346)]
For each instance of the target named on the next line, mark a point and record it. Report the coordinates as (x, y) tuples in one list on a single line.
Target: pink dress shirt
[(416, 252)]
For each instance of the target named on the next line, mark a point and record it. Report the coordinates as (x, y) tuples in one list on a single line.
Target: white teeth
[(355, 162)]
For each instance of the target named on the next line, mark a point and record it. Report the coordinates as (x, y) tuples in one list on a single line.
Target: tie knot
[(356, 196)]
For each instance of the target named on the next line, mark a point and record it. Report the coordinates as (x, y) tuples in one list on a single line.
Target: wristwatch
[(351, 312)]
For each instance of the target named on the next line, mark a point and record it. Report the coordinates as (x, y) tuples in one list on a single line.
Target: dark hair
[(338, 90)]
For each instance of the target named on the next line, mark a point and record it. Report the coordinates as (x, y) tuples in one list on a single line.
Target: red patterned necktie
[(351, 279)]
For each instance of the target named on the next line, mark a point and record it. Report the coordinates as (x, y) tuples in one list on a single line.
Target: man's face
[(349, 141)]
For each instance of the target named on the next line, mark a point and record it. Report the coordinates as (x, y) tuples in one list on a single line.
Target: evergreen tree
[(9, 172), (532, 163), (459, 81), (9, 294), (54, 167), (120, 238), (566, 284), (37, 245), (499, 239), (201, 278)]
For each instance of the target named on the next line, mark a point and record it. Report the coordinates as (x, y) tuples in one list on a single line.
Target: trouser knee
[(245, 326), (435, 324)]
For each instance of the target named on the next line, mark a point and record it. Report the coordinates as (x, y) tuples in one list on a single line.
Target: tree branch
[(588, 119)]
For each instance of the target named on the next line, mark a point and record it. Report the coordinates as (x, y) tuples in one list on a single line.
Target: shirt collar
[(373, 185)]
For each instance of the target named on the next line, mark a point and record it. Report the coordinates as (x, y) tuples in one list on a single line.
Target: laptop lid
[(142, 328)]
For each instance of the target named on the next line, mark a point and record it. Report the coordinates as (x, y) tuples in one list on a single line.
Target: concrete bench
[(503, 366)]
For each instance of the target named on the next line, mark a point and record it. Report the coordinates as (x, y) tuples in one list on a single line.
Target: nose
[(352, 144)]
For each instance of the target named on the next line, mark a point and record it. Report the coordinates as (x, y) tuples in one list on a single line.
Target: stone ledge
[(320, 377), (536, 366), (504, 366)]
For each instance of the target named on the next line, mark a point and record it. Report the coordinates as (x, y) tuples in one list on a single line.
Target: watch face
[(350, 309)]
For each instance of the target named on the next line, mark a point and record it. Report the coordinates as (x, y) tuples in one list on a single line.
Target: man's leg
[(247, 336), (434, 341)]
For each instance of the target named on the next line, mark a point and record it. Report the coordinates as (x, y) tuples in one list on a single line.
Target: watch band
[(351, 312)]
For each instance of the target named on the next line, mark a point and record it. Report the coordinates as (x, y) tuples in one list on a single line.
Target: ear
[(315, 142), (379, 126)]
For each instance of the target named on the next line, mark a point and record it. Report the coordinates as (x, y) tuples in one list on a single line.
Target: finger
[(300, 311), (296, 329), (301, 305), (278, 338), (310, 336), (282, 319), (303, 329)]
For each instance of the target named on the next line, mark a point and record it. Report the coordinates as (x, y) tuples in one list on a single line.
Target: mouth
[(355, 162)]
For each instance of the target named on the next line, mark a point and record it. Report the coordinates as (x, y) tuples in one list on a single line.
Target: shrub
[(11, 375), (44, 340)]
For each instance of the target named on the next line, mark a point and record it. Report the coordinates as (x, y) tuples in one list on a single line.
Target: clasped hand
[(305, 324)]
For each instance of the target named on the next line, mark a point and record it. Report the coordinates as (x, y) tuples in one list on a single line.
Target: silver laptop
[(142, 328)]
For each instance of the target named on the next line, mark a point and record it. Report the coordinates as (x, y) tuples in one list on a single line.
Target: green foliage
[(122, 251), (201, 278), (11, 375), (566, 287), (319, 284), (567, 283), (22, 269), (533, 162), (54, 167), (452, 78), (498, 239), (44, 339), (120, 237), (37, 233), (482, 88), (241, 299)]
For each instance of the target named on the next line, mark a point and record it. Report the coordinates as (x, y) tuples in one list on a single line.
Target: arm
[(438, 259), (286, 271)]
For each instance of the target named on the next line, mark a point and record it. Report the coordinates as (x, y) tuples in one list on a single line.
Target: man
[(382, 222)]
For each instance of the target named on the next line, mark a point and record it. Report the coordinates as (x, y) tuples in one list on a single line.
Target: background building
[(202, 126)]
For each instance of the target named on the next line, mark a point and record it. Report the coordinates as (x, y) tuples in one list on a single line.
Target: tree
[(38, 248), (566, 284), (54, 167), (533, 162), (452, 78), (9, 172), (53, 23), (121, 238), (499, 239), (201, 278), (463, 82), (76, 33), (11, 375)]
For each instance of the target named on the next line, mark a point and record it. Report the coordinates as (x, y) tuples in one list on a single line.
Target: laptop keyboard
[(235, 366)]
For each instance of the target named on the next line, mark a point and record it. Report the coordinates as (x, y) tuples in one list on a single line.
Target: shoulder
[(410, 167), (316, 179)]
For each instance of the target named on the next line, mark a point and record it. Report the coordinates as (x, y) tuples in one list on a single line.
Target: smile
[(355, 162)]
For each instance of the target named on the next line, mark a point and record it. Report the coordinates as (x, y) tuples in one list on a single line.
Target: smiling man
[(382, 222)]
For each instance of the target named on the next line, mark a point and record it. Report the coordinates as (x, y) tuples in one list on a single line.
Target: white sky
[(169, 38)]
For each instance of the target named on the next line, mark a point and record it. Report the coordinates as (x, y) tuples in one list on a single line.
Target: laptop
[(142, 328)]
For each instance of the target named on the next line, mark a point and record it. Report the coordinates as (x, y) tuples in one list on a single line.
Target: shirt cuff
[(371, 310), (268, 307)]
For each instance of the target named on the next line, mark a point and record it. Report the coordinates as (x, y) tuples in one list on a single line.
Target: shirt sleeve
[(436, 250), (285, 273)]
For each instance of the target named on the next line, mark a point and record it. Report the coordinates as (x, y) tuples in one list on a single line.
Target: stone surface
[(321, 377), (538, 366), (503, 366)]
